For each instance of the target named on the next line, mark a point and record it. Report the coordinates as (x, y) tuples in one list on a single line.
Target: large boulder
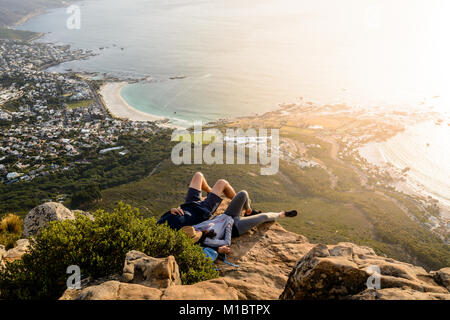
[(344, 271), (40, 216), (151, 272), (18, 251)]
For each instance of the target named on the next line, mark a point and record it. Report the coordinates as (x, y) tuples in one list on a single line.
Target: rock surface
[(265, 257), (443, 277), (398, 294), (343, 271), (216, 289), (2, 253), (114, 290), (153, 279), (18, 251), (151, 272)]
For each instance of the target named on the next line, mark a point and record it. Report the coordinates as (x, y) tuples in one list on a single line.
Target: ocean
[(246, 57)]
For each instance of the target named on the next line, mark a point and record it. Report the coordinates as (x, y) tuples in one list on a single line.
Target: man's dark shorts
[(195, 210)]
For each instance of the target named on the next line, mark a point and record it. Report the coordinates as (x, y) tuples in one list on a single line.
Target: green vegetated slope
[(10, 34), (346, 213)]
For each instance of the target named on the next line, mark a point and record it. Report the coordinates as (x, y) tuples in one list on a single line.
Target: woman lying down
[(216, 233)]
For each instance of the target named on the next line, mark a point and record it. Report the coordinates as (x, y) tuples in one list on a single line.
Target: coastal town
[(48, 116)]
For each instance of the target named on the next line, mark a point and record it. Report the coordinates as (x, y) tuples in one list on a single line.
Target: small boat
[(178, 77)]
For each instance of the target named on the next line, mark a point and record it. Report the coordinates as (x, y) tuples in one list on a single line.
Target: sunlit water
[(245, 57)]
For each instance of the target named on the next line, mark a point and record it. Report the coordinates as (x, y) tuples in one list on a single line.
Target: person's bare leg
[(223, 186), (199, 182)]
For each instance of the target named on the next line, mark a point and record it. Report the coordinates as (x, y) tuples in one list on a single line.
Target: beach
[(424, 152), (119, 108)]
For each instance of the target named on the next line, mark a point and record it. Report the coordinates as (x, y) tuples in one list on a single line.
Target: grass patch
[(80, 104)]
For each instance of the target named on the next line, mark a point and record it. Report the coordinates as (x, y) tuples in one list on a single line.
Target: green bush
[(98, 247)]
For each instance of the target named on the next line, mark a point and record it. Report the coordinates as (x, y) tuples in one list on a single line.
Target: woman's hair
[(207, 234)]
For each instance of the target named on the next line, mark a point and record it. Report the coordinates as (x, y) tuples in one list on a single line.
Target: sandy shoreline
[(119, 108), (424, 178), (27, 17)]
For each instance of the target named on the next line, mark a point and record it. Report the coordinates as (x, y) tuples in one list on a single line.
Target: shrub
[(99, 248), (10, 230), (11, 224)]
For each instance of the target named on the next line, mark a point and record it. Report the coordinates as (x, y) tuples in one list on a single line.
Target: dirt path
[(155, 169)]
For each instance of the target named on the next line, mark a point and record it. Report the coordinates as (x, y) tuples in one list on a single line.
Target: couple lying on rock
[(193, 217)]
